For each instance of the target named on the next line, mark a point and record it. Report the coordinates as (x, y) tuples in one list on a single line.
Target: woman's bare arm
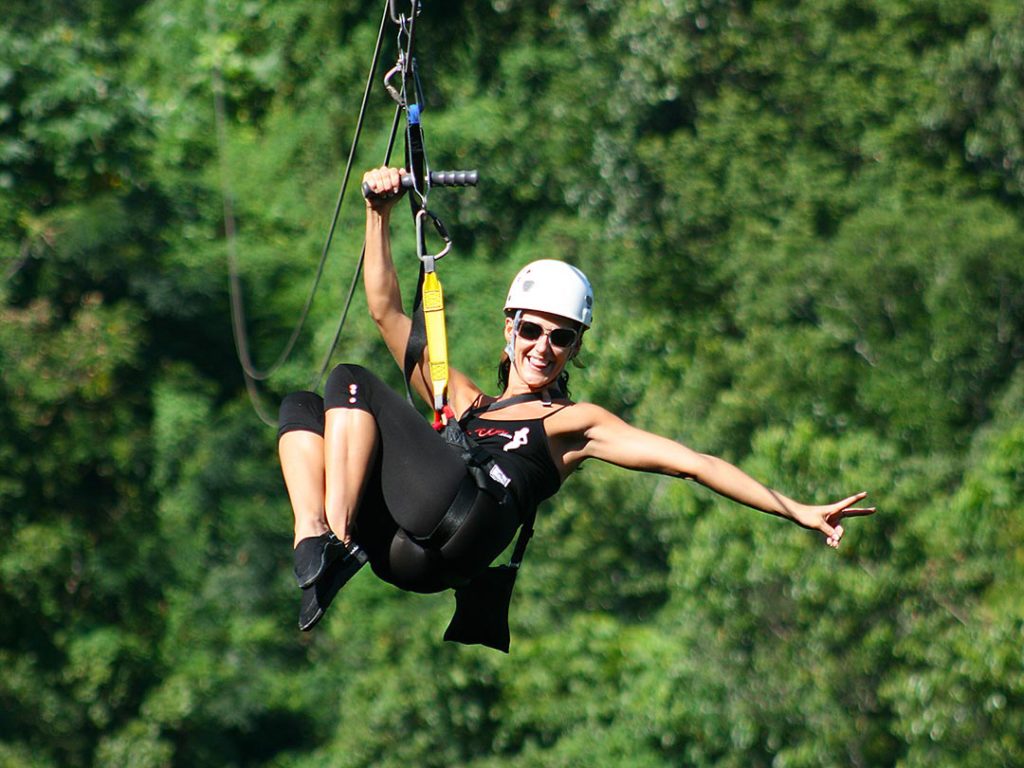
[(609, 438), (384, 296)]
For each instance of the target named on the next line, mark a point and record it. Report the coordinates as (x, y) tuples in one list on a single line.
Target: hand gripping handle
[(437, 179)]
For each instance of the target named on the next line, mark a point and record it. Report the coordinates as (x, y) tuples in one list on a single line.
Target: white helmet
[(552, 286)]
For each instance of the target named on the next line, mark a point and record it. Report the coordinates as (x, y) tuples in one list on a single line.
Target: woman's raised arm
[(380, 279), (384, 296)]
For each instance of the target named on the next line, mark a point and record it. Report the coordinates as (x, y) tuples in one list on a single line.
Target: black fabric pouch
[(481, 609)]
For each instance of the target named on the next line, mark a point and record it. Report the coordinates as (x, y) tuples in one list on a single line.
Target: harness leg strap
[(454, 517)]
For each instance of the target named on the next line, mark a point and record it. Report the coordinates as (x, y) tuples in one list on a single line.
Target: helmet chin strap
[(510, 345)]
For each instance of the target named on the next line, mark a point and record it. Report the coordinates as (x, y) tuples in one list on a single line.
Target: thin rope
[(237, 310), (405, 60), (238, 318), (315, 384)]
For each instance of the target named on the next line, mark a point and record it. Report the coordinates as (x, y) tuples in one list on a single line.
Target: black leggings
[(412, 482)]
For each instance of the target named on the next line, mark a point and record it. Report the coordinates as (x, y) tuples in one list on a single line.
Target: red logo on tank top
[(492, 432)]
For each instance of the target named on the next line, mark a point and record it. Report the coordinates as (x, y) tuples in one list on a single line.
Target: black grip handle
[(437, 179), (448, 179)]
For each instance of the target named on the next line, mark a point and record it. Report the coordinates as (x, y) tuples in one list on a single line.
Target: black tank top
[(520, 447)]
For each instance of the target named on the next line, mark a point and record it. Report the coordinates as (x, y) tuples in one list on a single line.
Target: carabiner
[(399, 68), (398, 18), (427, 258)]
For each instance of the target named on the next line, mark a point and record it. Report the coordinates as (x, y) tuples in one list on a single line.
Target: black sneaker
[(317, 598), (313, 555)]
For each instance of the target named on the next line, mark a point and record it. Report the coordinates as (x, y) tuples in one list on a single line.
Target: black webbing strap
[(524, 538), (415, 152), (416, 163), (455, 516), (417, 337), (546, 395), (478, 479)]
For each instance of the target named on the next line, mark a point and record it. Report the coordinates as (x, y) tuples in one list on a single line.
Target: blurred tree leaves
[(803, 223)]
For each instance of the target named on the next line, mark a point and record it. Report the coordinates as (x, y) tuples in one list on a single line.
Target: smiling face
[(537, 362)]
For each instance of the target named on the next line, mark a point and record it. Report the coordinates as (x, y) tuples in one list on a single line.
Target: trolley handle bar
[(437, 179)]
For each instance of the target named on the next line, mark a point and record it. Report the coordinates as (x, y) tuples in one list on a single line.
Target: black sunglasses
[(557, 337)]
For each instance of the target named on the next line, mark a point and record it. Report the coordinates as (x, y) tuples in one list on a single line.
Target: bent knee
[(348, 385), (301, 412)]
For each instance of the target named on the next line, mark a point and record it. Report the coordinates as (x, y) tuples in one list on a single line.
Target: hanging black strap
[(416, 163), (417, 337), (524, 538)]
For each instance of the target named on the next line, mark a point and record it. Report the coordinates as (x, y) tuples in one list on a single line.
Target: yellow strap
[(437, 338)]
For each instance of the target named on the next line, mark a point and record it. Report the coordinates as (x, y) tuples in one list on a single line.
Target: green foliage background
[(805, 226)]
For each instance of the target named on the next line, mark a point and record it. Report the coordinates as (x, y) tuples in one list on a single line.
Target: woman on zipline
[(370, 480)]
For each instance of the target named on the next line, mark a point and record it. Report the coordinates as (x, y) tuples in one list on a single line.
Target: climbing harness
[(484, 472), (482, 603)]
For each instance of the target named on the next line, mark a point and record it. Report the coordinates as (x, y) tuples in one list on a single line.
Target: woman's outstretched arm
[(609, 438)]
